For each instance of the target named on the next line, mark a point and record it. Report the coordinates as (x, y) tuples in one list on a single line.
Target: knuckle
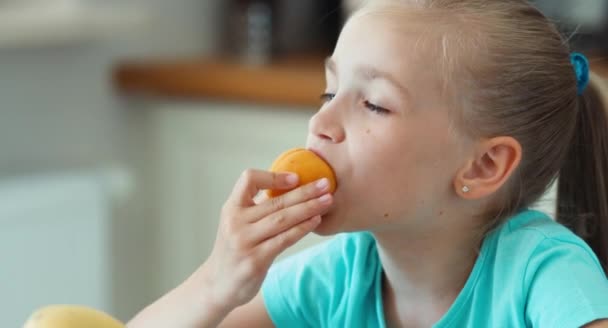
[(278, 203), (279, 218), (275, 179)]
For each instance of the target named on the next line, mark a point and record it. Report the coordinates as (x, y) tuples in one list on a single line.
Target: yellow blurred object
[(306, 164), (71, 316)]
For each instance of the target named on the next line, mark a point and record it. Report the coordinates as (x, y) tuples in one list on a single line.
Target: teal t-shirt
[(531, 272)]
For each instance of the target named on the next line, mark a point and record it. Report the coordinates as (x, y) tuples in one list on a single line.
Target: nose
[(327, 125)]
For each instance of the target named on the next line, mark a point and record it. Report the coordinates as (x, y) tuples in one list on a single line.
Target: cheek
[(410, 165), (379, 151), (385, 165)]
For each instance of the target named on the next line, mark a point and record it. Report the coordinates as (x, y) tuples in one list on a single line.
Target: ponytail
[(582, 193)]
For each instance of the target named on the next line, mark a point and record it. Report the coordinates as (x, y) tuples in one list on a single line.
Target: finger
[(286, 219), (272, 247), (252, 181), (293, 197)]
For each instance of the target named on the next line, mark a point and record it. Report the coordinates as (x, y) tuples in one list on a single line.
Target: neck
[(424, 269)]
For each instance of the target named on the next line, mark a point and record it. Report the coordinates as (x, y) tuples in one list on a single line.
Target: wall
[(58, 112)]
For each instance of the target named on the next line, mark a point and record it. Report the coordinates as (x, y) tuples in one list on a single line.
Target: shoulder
[(536, 225), (551, 266), (532, 240), (533, 233)]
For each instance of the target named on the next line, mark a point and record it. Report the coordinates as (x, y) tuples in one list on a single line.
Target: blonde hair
[(515, 78)]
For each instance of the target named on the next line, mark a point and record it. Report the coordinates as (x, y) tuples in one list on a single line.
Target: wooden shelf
[(292, 81), (296, 81)]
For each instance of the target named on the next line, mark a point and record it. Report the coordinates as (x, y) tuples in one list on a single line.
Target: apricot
[(307, 165)]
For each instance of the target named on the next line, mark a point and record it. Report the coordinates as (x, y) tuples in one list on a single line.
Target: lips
[(318, 153)]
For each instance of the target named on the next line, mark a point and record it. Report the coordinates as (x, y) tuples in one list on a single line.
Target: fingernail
[(323, 184), (292, 179), (316, 220), (325, 199)]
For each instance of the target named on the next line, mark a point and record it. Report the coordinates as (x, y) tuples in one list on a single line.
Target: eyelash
[(327, 97)]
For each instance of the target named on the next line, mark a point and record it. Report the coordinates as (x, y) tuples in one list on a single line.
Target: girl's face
[(384, 128)]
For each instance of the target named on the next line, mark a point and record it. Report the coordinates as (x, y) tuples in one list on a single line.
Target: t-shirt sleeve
[(298, 290), (566, 285)]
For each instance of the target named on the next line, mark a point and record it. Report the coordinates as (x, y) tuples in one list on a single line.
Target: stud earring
[(465, 189)]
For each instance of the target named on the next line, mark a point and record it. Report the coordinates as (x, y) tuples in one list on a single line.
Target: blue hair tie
[(581, 67)]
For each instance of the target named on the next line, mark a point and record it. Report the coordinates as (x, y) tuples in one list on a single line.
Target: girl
[(444, 121)]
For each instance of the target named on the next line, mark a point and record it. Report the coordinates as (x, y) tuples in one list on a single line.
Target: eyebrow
[(370, 73)]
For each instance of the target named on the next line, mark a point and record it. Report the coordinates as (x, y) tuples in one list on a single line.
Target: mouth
[(318, 153)]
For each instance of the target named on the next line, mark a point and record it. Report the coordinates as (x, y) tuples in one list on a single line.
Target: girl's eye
[(376, 108), (327, 97)]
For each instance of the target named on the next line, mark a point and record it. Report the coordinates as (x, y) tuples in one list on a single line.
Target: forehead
[(398, 43), (396, 29)]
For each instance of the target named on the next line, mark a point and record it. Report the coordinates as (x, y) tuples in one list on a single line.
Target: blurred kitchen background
[(124, 124)]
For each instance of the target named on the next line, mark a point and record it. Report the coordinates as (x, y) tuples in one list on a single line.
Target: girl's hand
[(251, 236)]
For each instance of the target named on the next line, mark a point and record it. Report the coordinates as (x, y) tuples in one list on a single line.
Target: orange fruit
[(307, 165), (71, 316)]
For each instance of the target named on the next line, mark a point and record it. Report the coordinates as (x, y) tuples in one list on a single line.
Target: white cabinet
[(202, 149)]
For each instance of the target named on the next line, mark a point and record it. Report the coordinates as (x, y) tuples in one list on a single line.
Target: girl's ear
[(490, 167)]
